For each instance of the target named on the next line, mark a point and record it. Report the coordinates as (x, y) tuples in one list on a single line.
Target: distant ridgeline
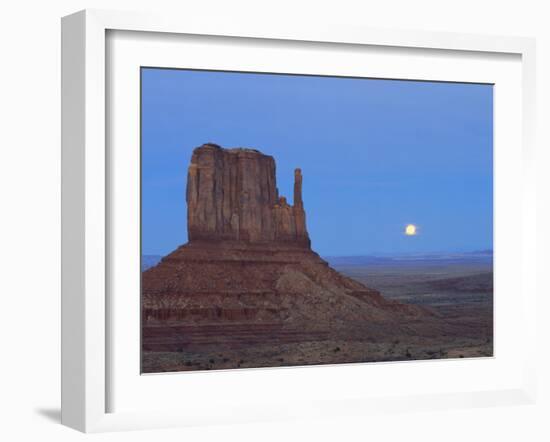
[(483, 256)]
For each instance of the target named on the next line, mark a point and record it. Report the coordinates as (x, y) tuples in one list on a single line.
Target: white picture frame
[(86, 356)]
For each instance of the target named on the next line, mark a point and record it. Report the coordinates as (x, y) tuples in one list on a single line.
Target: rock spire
[(232, 195)]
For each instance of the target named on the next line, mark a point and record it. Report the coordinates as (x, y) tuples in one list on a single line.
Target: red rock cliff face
[(232, 195)]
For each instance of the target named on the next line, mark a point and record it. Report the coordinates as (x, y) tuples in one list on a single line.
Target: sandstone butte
[(248, 267)]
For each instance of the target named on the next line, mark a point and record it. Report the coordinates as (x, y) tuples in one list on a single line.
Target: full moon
[(410, 230)]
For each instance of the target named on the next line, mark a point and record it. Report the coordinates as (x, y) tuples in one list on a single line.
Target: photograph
[(296, 220), (275, 221)]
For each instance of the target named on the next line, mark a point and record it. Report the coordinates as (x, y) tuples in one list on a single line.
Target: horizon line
[(382, 254)]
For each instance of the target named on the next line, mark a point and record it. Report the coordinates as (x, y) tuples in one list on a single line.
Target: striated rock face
[(232, 195), (248, 277)]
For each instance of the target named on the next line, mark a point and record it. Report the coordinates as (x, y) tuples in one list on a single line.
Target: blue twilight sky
[(375, 155)]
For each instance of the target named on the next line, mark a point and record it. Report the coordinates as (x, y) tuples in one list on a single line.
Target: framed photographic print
[(260, 284), (292, 222)]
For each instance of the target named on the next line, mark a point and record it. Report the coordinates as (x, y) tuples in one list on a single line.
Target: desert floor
[(460, 293)]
